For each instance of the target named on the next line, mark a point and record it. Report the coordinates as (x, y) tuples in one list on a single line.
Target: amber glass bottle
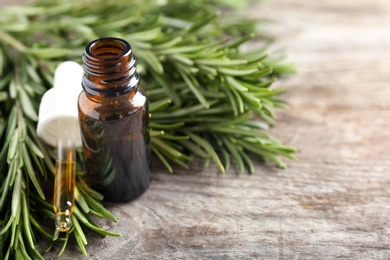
[(114, 121)]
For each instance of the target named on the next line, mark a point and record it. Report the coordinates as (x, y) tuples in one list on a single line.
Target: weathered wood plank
[(334, 202)]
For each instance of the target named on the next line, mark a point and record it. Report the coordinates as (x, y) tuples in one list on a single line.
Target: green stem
[(5, 37)]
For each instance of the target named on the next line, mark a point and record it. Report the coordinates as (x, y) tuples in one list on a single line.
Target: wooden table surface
[(334, 202)]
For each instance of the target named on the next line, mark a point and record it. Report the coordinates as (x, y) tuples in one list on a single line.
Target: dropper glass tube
[(64, 183)]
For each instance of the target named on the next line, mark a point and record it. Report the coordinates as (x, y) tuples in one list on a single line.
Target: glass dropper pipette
[(58, 126)]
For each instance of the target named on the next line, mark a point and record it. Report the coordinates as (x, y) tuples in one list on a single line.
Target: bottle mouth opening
[(108, 57), (108, 48), (110, 67)]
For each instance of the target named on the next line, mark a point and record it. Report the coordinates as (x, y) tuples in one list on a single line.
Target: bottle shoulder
[(111, 108), (87, 107)]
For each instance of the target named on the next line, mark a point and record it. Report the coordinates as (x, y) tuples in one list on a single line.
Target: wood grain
[(333, 203)]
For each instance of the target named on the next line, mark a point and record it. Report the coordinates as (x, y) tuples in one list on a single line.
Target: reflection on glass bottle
[(114, 121)]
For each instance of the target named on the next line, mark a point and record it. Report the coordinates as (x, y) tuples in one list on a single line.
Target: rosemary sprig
[(24, 162), (208, 98)]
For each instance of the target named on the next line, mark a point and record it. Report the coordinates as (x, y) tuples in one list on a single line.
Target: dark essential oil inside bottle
[(114, 121)]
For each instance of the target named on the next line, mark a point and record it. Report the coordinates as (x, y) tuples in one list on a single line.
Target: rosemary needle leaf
[(207, 146), (152, 61), (21, 252), (166, 126), (153, 133), (12, 147), (16, 193), (240, 41), (221, 62), (201, 23), (31, 71), (98, 207), (34, 148), (191, 84), (183, 49), (226, 158), (11, 124), (194, 148), (239, 132), (30, 170), (238, 98), (64, 245), (79, 235), (4, 81), (183, 111), (48, 53), (247, 160), (26, 221), (256, 125), (102, 231), (146, 35), (162, 159), (182, 59), (233, 102), (39, 228), (117, 23), (8, 225), (7, 254), (78, 230), (210, 72), (80, 215), (159, 105), (165, 147), (15, 230), (168, 88), (234, 151), (23, 10), (48, 213), (168, 43), (264, 72), (35, 254), (80, 200), (81, 184), (5, 191), (251, 99), (98, 230), (174, 137), (263, 153), (97, 214), (179, 160), (236, 84), (27, 106), (235, 72)]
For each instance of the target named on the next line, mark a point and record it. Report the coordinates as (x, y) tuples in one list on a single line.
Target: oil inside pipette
[(64, 183)]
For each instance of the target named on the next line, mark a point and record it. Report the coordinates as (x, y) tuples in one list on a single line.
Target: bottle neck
[(110, 69)]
